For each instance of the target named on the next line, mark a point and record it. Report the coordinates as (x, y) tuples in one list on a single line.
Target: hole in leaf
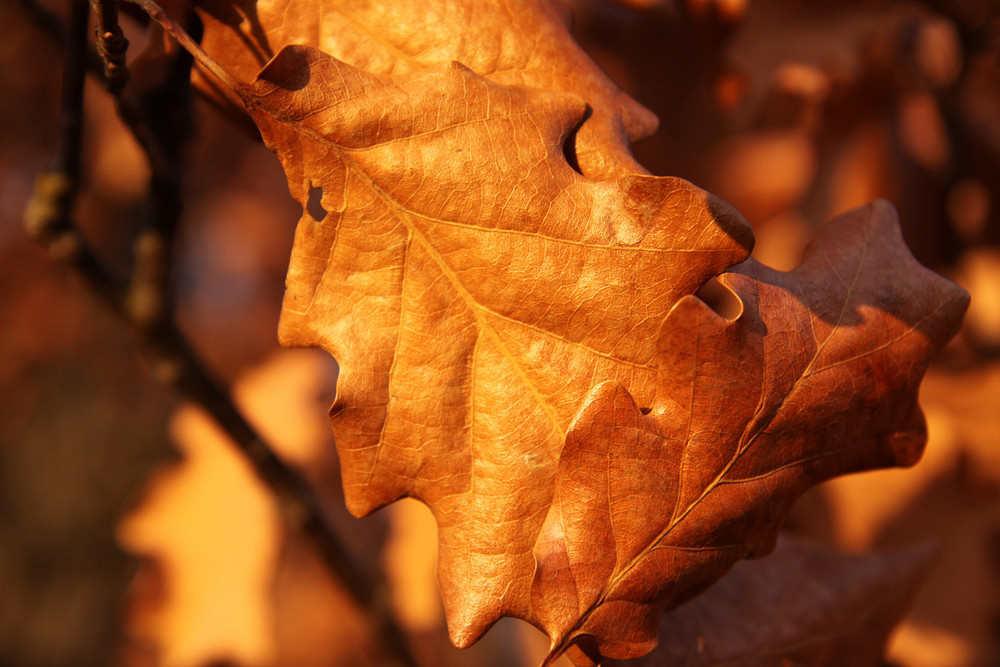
[(720, 298), (569, 146), (314, 205)]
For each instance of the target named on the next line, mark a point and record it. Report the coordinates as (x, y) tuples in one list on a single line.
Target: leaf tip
[(466, 632)]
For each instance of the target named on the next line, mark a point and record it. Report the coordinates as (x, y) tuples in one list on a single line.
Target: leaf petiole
[(176, 31)]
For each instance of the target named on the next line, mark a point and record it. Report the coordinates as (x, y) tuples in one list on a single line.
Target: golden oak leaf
[(470, 283), (524, 43), (817, 377), (803, 605)]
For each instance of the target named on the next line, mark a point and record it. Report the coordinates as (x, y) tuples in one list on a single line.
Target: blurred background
[(132, 534)]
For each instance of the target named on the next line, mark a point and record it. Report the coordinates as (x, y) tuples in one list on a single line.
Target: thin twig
[(111, 43), (53, 26), (47, 215), (160, 118), (156, 13), (71, 119), (174, 362)]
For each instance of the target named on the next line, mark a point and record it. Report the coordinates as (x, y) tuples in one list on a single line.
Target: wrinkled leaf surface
[(519, 344)]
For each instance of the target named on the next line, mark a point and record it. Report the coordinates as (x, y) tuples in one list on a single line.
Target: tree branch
[(111, 43), (160, 119)]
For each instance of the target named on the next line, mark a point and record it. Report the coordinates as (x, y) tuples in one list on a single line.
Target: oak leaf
[(521, 44), (470, 284), (816, 377)]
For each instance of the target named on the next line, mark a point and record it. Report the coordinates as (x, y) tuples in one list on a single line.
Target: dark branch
[(111, 43), (53, 26), (160, 118)]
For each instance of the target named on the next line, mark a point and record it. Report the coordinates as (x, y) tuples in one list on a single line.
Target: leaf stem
[(156, 13)]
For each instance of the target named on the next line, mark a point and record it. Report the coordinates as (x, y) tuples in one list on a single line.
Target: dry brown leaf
[(456, 286), (803, 605), (498, 315), (523, 44), (817, 377)]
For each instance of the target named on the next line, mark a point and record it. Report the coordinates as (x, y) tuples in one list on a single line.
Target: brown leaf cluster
[(726, 414), (519, 344), (527, 44)]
